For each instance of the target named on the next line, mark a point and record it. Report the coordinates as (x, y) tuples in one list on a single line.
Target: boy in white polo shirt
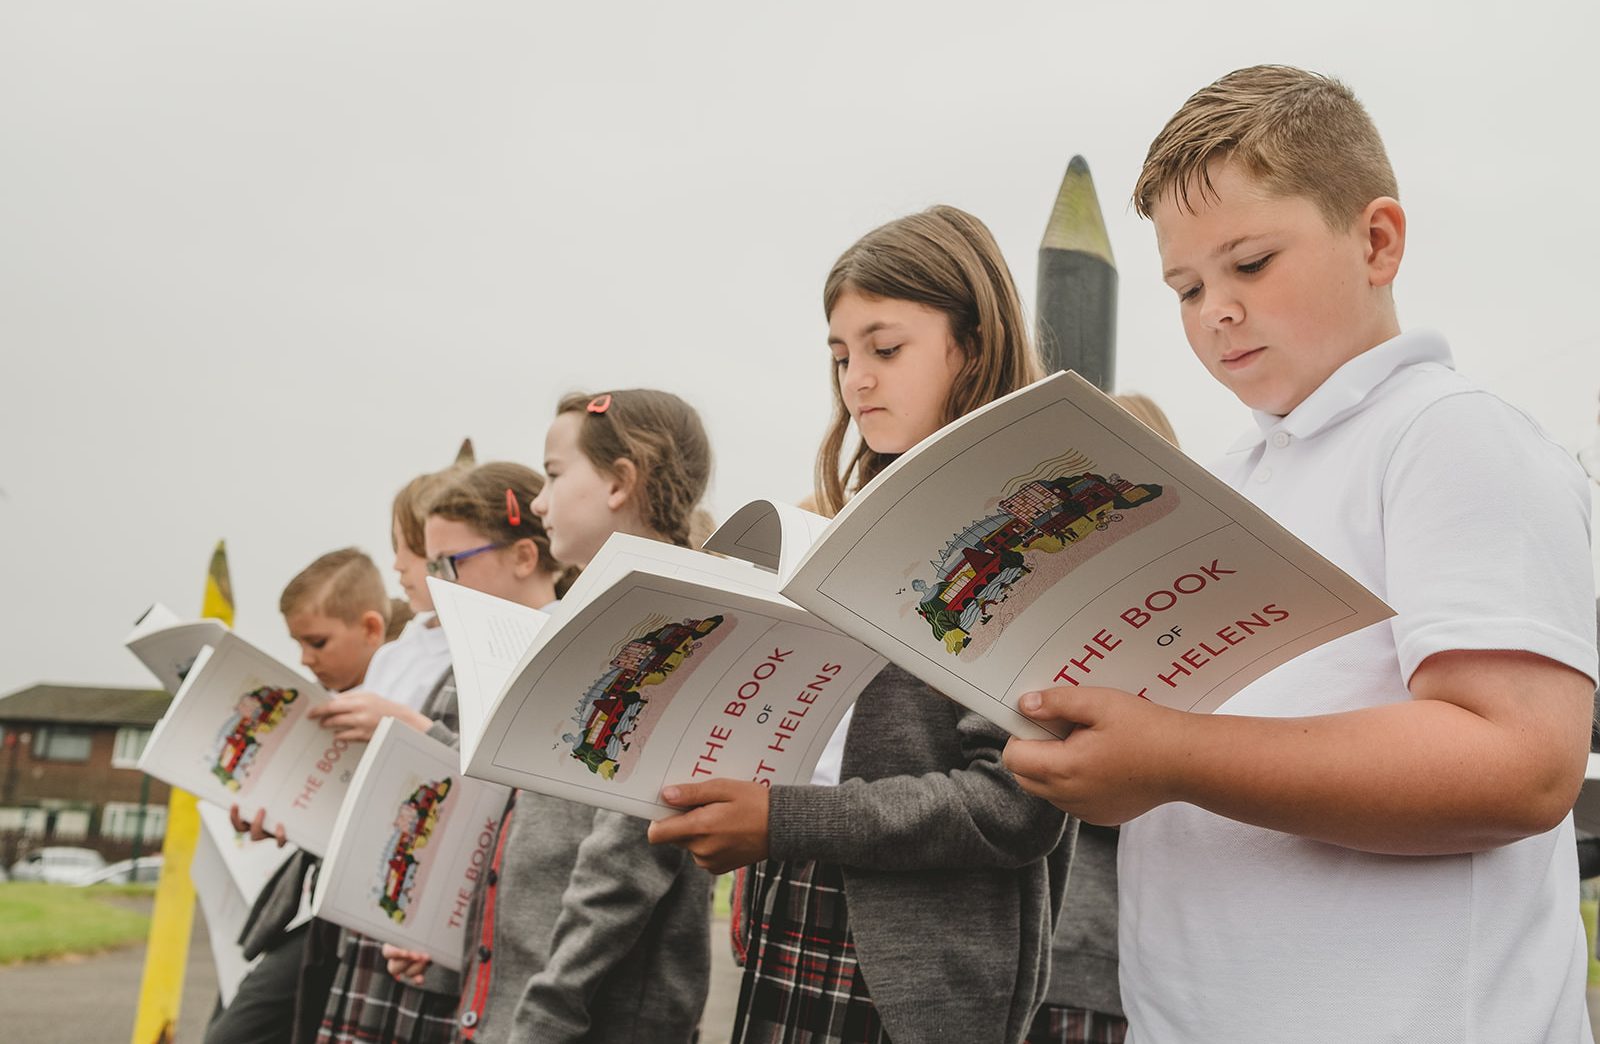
[(1371, 842)]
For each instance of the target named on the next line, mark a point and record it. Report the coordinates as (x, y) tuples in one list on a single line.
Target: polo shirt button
[(1264, 475), (469, 1019), (484, 953), (1280, 439)]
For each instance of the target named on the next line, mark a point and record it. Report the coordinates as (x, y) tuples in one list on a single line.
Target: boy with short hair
[(1373, 840), (338, 612)]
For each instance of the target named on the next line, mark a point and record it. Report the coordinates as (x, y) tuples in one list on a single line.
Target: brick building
[(69, 773)]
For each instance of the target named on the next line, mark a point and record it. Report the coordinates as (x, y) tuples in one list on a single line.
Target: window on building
[(129, 745), (61, 743), (29, 822), (121, 820)]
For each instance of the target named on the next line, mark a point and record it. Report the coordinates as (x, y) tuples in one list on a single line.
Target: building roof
[(85, 705)]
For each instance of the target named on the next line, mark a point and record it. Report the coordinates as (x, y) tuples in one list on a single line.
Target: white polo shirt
[(1458, 511), (407, 669)]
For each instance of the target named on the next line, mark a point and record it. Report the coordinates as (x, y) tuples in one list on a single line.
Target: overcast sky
[(260, 263)]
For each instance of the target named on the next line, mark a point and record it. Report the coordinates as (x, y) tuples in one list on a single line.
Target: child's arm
[(616, 884), (354, 716), (1490, 749), (965, 817)]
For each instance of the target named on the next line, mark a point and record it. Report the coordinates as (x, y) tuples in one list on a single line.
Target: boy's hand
[(257, 827), (726, 828), (1114, 766), (406, 965), (354, 716)]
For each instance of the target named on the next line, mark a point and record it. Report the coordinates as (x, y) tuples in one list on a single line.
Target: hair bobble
[(600, 403), (513, 509)]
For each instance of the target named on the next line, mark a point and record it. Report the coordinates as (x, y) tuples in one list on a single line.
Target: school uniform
[(915, 900), (583, 931)]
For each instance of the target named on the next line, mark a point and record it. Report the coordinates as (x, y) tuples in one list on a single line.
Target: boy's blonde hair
[(1298, 133), (945, 259), (342, 584), (664, 439)]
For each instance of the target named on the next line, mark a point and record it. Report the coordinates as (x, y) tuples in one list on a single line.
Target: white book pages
[(167, 645), (1048, 539), (665, 665), (237, 732), (412, 840)]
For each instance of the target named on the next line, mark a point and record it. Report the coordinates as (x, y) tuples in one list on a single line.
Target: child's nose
[(1221, 310)]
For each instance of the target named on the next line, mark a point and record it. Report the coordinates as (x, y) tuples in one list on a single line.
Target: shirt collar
[(1348, 387)]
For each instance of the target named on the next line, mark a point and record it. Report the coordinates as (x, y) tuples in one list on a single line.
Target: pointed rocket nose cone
[(217, 574), (466, 455), (1076, 222)]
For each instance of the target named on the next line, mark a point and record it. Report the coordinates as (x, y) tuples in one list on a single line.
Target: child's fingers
[(674, 830), (689, 795), (1034, 762), (1076, 705)]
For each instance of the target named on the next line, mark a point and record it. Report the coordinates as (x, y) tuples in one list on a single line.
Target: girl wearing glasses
[(583, 930), (475, 529)]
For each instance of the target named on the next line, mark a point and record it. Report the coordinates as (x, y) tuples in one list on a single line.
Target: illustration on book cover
[(1043, 525), (400, 874), (616, 713), (242, 746)]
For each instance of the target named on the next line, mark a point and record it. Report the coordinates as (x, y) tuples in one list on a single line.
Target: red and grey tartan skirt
[(801, 981), (369, 1006)]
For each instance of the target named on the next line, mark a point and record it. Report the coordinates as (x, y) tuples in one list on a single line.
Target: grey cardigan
[(599, 937), (1083, 968), (953, 875)]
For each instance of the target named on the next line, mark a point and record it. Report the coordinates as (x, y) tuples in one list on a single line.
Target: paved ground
[(94, 998)]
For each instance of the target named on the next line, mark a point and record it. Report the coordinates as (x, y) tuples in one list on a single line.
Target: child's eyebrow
[(1218, 252), (871, 328)]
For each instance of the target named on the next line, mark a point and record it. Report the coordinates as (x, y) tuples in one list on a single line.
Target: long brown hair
[(482, 498), (945, 259), (664, 439)]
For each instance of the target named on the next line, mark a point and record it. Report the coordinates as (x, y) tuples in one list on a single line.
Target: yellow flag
[(172, 920)]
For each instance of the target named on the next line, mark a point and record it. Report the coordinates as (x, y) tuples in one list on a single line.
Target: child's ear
[(372, 626), (524, 558), (1383, 224), (624, 479)]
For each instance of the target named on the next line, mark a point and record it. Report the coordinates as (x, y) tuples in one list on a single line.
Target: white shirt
[(407, 669), (1459, 512)]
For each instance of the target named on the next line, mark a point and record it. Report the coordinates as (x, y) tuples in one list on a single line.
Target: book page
[(768, 533), (488, 638), (1051, 539), (661, 679), (168, 646), (237, 733), (412, 840)]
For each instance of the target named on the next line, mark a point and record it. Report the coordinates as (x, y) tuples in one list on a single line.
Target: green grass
[(43, 920), (722, 898)]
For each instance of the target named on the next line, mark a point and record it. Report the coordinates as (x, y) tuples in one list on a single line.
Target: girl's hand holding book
[(354, 716), (726, 826), (406, 965)]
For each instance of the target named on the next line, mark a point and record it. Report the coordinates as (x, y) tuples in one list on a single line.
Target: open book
[(1046, 539), (1050, 539), (168, 645), (229, 872), (412, 839), (237, 733), (660, 665)]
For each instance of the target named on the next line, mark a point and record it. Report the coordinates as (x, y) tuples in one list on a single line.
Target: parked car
[(146, 869), (58, 865)]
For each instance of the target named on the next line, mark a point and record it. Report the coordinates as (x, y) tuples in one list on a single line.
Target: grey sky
[(261, 263)]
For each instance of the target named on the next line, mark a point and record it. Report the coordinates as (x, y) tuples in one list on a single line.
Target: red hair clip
[(513, 510), (600, 403)]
